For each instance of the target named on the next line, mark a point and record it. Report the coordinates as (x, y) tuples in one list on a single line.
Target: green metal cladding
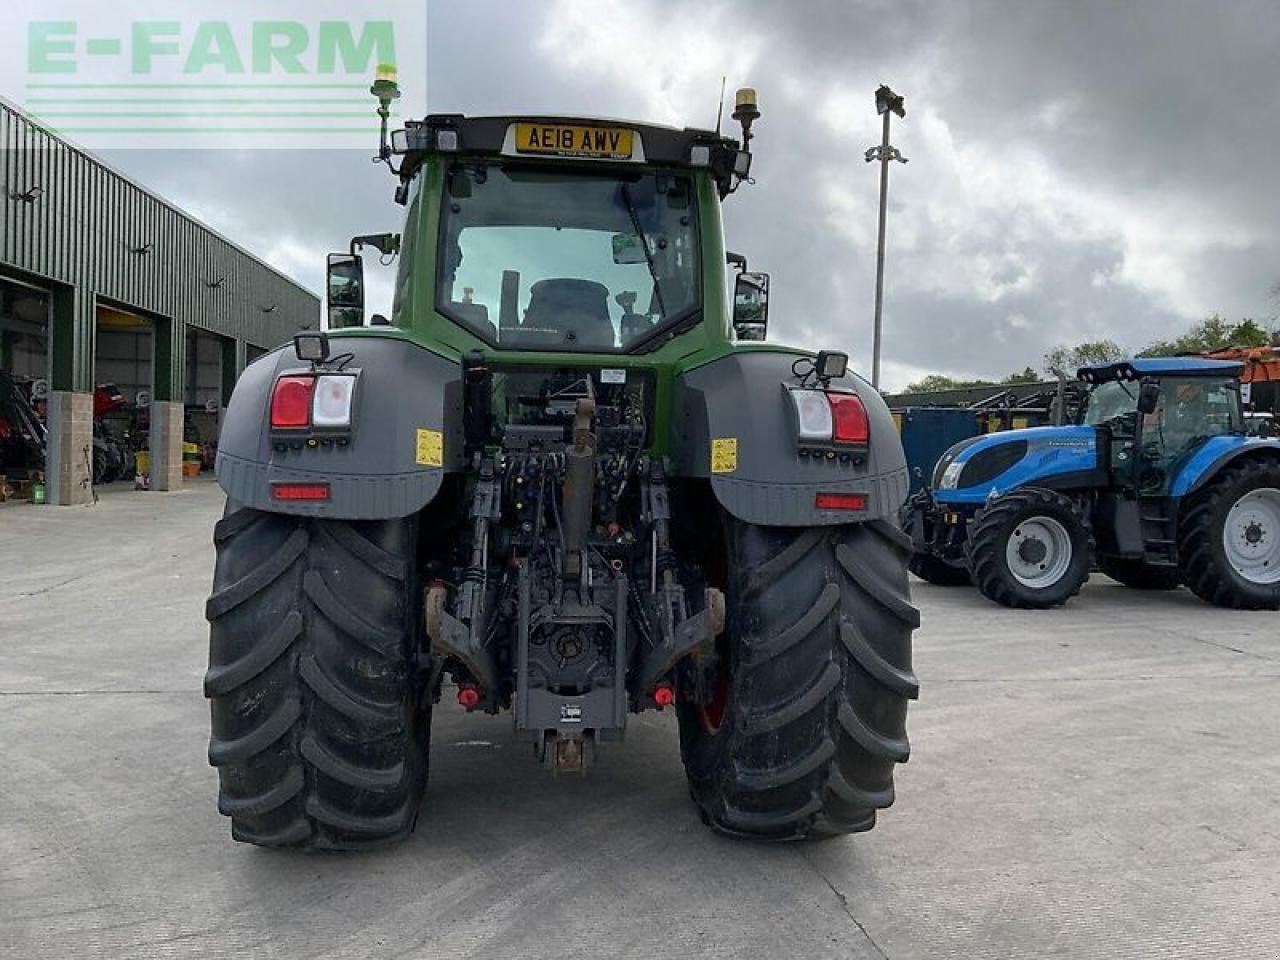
[(81, 238)]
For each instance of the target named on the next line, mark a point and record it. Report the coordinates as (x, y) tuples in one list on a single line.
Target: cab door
[(1189, 412)]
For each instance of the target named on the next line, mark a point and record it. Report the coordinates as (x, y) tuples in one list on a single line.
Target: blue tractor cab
[(1158, 484)]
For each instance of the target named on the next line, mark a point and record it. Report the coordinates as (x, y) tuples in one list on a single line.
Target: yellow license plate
[(564, 140)]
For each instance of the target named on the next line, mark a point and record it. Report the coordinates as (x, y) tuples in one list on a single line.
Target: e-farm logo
[(234, 74)]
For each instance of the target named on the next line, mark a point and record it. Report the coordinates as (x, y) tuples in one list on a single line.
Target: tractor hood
[(995, 463)]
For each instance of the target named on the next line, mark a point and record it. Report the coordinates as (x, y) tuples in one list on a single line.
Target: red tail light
[(291, 401), (849, 418), (300, 491)]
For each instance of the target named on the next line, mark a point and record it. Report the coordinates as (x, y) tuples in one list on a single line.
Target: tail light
[(829, 420), (332, 404), (850, 418), (813, 416), (291, 401), (311, 400)]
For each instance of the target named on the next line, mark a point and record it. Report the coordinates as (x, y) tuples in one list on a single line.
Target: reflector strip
[(841, 501), (300, 491)]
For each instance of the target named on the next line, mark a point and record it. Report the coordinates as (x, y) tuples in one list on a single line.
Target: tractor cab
[(543, 234), (1157, 413)]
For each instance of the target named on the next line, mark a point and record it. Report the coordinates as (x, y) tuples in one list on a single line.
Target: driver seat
[(577, 311)]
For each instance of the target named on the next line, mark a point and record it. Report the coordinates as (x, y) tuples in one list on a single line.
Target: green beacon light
[(386, 87)]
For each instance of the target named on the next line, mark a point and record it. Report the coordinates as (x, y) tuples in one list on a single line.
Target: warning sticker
[(430, 448), (724, 454)]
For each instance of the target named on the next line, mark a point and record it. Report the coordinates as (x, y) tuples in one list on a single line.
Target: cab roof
[(486, 134), (1140, 367), (650, 144)]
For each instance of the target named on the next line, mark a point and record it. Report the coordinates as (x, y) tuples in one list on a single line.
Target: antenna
[(720, 107)]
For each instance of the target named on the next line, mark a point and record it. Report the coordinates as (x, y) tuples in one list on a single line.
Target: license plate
[(566, 140)]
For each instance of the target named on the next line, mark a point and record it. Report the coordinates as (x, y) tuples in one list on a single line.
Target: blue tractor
[(1158, 484)]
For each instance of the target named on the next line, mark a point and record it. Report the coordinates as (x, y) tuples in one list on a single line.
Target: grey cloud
[(1136, 112)]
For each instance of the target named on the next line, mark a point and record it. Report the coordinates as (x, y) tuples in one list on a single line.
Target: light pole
[(887, 102)]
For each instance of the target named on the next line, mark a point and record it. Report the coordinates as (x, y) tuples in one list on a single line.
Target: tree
[(1212, 333), (1249, 333), (937, 381), (1070, 359), (1026, 376)]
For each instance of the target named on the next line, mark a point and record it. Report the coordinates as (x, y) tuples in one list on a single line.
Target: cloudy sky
[(1077, 170)]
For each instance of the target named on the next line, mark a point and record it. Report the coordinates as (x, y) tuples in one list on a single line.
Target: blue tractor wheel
[(1029, 549), (1229, 538)]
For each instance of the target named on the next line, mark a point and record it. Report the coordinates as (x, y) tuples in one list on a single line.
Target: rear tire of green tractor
[(937, 571), (318, 733), (1229, 538), (804, 733), (1138, 575), (1029, 549)]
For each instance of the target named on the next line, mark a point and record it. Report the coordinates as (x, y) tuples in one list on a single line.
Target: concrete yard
[(1097, 781)]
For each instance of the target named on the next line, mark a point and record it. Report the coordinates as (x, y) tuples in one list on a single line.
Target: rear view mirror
[(345, 288), (1148, 397), (627, 249), (751, 306)]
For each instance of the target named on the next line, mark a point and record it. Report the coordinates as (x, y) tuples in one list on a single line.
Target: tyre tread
[(1204, 572), (312, 749), (817, 762), (984, 548)]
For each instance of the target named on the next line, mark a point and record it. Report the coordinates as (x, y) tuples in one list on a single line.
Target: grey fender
[(402, 389), (740, 398)]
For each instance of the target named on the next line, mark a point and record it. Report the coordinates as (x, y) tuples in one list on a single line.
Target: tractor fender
[(405, 398), (1215, 454), (733, 425)]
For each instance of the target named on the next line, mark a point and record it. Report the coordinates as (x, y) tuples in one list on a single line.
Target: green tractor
[(569, 477)]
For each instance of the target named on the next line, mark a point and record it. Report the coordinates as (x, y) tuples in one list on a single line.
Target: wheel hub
[(1032, 550), (1251, 536), (1039, 552)]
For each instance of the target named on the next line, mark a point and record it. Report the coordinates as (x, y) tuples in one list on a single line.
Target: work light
[(830, 364), (312, 346)]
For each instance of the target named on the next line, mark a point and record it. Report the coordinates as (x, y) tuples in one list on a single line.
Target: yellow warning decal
[(724, 454), (430, 448)]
